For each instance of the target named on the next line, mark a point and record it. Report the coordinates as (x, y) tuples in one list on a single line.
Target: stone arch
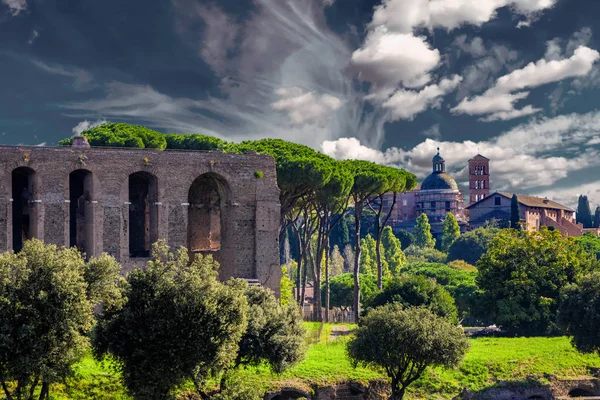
[(24, 186), (143, 213), (209, 198), (82, 194), (580, 392)]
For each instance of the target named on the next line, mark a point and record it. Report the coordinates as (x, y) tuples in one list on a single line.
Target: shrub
[(471, 246), (258, 174), (416, 291), (405, 342), (427, 254)]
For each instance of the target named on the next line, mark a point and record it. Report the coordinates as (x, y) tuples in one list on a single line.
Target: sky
[(517, 81)]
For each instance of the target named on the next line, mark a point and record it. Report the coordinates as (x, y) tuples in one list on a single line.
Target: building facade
[(120, 201), (535, 212)]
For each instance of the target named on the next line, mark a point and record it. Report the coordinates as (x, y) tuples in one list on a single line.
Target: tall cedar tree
[(450, 233), (584, 213), (515, 213), (423, 236)]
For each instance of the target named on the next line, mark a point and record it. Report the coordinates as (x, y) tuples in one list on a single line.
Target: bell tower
[(479, 178)]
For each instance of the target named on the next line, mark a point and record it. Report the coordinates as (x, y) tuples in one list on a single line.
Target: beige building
[(535, 212)]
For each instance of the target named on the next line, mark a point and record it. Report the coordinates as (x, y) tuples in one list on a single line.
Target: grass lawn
[(490, 361)]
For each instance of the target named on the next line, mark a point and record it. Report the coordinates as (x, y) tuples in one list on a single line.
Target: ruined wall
[(249, 205)]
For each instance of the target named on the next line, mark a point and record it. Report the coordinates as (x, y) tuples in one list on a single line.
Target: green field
[(490, 361)]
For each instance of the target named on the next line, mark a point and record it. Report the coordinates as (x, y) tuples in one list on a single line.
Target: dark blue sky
[(387, 82)]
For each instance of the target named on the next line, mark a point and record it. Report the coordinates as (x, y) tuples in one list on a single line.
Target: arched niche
[(24, 218), (81, 218), (208, 198), (143, 210)]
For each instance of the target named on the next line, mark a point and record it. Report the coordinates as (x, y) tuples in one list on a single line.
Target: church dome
[(439, 181)]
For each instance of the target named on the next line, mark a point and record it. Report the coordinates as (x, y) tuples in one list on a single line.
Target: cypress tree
[(515, 213), (423, 236), (597, 218), (584, 213), (450, 233)]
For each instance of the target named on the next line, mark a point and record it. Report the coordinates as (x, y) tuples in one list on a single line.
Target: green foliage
[(579, 313), (424, 254), (472, 245), (392, 251), (461, 265), (522, 274), (423, 236), (584, 212), (368, 260), (342, 290), (286, 288), (406, 238), (122, 135), (258, 174), (179, 323), (416, 291), (177, 141), (597, 218), (450, 233), (461, 284), (275, 334), (47, 297), (515, 213), (336, 262), (408, 341), (590, 243)]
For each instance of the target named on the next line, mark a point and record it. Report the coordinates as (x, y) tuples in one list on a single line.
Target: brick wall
[(249, 213)]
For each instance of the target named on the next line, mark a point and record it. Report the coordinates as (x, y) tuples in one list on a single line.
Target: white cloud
[(406, 104), (33, 37), (389, 58), (523, 159), (433, 132), (512, 114), (16, 6), (305, 107), (83, 80), (85, 125), (569, 195), (500, 101)]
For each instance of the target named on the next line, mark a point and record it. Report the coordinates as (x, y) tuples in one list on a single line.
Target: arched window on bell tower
[(439, 164)]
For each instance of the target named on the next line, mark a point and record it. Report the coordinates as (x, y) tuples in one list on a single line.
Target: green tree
[(406, 238), (515, 213), (579, 313), (194, 142), (461, 284), (179, 323), (584, 212), (450, 233), (337, 261), (408, 341), (471, 246), (342, 290), (47, 297), (423, 236), (122, 135), (392, 251), (597, 218), (417, 291), (274, 336), (369, 180), (424, 254), (521, 277), (367, 255), (286, 288), (590, 243)]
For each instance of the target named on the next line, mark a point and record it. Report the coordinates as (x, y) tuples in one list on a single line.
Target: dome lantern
[(439, 164)]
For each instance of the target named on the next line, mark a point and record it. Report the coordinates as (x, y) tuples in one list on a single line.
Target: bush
[(177, 141), (179, 323), (416, 291), (461, 285), (341, 290), (426, 254), (579, 313), (471, 246), (461, 265), (122, 135), (405, 342)]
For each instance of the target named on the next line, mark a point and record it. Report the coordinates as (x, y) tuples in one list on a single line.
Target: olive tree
[(47, 298), (178, 323), (407, 342)]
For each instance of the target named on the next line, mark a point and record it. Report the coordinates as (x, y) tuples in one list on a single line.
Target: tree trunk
[(316, 271), (327, 278), (304, 277), (6, 391), (45, 392), (299, 265), (357, 264)]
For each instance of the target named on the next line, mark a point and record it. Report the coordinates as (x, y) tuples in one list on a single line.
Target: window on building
[(498, 200), (433, 205), (404, 202), (448, 206)]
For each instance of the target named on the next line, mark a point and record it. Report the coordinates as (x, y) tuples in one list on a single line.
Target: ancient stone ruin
[(120, 201)]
